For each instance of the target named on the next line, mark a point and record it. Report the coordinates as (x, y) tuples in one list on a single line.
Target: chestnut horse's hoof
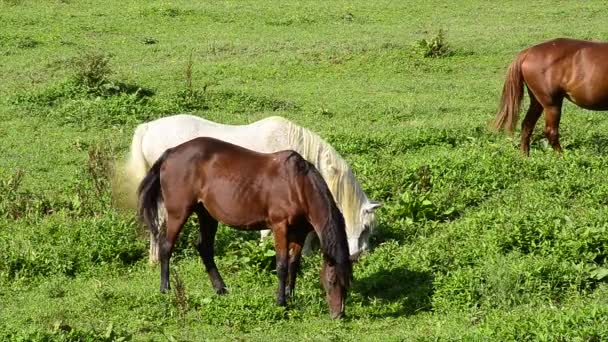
[(222, 291)]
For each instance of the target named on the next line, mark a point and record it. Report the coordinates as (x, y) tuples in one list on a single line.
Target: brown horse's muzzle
[(337, 314)]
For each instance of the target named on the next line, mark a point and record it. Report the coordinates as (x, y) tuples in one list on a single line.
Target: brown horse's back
[(575, 69), (236, 186)]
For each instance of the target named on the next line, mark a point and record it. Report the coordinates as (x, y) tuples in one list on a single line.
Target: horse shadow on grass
[(396, 292), (393, 290), (595, 142)]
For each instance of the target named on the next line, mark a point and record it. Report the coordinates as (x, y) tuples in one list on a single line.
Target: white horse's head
[(360, 232), (359, 212)]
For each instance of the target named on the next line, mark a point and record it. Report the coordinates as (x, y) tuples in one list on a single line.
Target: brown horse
[(248, 190), (554, 70)]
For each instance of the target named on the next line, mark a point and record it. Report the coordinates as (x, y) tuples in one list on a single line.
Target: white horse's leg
[(310, 243), (264, 233), (160, 223)]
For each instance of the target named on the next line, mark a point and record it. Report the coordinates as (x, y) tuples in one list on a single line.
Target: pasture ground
[(474, 241)]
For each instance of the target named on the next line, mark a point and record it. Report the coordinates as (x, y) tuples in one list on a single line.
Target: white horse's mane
[(337, 173)]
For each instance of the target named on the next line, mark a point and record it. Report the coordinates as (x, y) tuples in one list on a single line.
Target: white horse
[(271, 134)]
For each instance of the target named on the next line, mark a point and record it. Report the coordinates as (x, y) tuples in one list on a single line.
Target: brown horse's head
[(335, 290)]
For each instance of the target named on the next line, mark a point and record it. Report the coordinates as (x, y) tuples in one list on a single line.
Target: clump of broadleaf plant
[(435, 47), (92, 70)]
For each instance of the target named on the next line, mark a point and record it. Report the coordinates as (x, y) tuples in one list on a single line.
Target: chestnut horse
[(553, 70), (248, 190)]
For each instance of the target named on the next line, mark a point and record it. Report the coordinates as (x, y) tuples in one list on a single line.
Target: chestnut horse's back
[(570, 68)]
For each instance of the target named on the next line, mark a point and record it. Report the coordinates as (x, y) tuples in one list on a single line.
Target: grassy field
[(475, 241)]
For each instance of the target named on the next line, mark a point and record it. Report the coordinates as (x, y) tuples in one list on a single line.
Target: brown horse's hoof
[(282, 302), (221, 291)]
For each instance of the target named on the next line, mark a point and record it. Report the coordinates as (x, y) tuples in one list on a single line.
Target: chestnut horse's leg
[(205, 246), (281, 246), (297, 240), (527, 126), (175, 222), (552, 100), (552, 116)]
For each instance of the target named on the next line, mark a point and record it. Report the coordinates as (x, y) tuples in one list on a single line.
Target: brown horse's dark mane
[(333, 233)]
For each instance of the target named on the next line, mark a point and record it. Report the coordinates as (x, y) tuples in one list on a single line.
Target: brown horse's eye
[(328, 276)]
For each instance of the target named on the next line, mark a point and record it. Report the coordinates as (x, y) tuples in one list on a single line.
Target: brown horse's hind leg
[(552, 116), (297, 240), (527, 126), (175, 222), (205, 246), (281, 246)]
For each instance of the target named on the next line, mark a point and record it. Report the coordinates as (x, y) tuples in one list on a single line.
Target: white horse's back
[(171, 131)]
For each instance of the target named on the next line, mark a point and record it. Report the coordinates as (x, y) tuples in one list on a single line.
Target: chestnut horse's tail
[(150, 195), (512, 95), (334, 244)]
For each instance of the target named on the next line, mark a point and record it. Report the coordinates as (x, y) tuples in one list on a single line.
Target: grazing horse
[(248, 190), (271, 134), (553, 70)]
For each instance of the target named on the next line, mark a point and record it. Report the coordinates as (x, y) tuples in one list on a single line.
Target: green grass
[(475, 242)]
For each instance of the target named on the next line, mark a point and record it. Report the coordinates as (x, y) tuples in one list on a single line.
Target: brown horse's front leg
[(297, 241), (282, 252)]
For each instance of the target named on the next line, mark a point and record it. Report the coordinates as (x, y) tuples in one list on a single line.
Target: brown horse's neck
[(321, 206)]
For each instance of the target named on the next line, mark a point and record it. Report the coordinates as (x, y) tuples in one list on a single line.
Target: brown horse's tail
[(150, 195), (512, 95)]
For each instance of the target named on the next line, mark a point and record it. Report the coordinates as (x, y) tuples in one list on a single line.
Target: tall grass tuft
[(435, 47)]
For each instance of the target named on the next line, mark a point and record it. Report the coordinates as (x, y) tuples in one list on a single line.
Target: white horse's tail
[(136, 166), (132, 172)]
